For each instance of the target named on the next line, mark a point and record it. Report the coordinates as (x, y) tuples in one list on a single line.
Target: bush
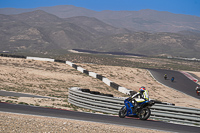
[(23, 103)]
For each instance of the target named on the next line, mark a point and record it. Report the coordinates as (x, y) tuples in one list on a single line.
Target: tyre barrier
[(112, 105), (95, 92), (94, 100), (13, 56), (85, 90), (108, 95)]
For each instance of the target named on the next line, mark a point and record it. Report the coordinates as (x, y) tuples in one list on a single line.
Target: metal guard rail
[(111, 105)]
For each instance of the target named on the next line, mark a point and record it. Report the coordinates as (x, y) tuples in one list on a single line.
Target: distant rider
[(198, 90), (142, 95), (165, 76), (172, 79)]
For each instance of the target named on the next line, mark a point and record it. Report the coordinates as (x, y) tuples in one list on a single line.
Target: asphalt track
[(181, 82), (132, 122), (15, 94)]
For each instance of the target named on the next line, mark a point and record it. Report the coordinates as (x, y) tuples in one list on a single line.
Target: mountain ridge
[(42, 32), (142, 20)]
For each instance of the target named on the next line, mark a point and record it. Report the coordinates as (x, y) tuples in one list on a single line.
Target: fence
[(111, 105)]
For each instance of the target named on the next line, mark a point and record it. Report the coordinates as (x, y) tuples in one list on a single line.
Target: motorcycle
[(165, 77), (143, 112), (198, 90), (172, 79)]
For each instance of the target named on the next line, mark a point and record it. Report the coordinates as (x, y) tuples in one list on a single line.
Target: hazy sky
[(189, 7)]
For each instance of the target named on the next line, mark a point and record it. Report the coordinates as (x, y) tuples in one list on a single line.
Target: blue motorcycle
[(143, 112), (172, 79)]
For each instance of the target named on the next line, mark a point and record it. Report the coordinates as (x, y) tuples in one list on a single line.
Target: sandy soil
[(17, 123)]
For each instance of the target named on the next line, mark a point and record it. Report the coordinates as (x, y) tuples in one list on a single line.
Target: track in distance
[(181, 82)]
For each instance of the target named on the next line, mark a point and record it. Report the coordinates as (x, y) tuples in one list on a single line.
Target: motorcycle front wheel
[(122, 112), (144, 113)]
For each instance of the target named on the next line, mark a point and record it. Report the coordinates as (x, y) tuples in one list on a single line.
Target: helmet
[(142, 88)]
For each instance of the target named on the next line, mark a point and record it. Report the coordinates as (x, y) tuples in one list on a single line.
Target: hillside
[(151, 44), (96, 26), (143, 20), (39, 32)]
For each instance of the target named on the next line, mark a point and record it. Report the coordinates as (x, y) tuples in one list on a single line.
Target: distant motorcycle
[(165, 76), (172, 79), (143, 113), (198, 90)]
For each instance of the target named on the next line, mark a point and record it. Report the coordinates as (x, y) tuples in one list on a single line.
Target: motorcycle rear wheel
[(122, 112), (144, 113)]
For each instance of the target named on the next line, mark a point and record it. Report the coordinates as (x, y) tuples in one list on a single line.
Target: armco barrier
[(94, 102), (112, 105)]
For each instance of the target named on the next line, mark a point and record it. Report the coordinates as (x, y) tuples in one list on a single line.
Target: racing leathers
[(142, 96), (165, 76)]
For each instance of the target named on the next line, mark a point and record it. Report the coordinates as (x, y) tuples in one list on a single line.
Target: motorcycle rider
[(172, 79), (197, 90), (165, 76), (142, 95)]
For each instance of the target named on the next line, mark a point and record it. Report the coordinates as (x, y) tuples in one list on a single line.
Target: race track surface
[(181, 82), (132, 122), (16, 94)]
